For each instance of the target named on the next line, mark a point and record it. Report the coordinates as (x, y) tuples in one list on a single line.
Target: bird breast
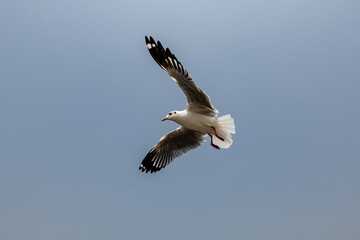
[(195, 121)]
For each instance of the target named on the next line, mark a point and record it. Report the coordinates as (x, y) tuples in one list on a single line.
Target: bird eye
[(170, 114)]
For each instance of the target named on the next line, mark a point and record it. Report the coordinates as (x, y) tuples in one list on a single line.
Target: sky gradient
[(81, 101)]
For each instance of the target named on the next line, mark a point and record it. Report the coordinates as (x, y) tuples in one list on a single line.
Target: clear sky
[(81, 101)]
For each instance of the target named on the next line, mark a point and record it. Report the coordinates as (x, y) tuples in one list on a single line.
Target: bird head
[(170, 116)]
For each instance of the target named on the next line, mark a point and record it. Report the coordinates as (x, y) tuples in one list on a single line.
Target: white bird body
[(196, 121)]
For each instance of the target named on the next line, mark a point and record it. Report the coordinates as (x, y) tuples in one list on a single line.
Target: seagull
[(196, 121)]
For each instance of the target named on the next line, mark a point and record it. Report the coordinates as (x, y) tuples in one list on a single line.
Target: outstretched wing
[(198, 100), (170, 146)]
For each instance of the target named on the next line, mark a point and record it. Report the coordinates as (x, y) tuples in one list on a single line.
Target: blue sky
[(81, 101)]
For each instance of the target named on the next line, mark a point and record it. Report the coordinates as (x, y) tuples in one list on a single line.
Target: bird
[(198, 120)]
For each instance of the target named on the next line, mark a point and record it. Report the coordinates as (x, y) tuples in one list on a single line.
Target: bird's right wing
[(198, 100), (170, 146)]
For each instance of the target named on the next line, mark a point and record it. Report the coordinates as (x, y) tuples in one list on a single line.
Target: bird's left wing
[(198, 100), (170, 146)]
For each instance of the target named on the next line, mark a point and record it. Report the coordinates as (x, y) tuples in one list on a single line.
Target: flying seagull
[(196, 121)]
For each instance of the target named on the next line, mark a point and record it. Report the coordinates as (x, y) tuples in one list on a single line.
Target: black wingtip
[(160, 55), (147, 164), (159, 44), (152, 40)]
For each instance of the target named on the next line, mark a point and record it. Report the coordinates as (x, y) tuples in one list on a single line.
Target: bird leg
[(212, 144), (217, 135)]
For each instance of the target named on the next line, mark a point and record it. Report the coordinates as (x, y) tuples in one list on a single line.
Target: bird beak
[(164, 119)]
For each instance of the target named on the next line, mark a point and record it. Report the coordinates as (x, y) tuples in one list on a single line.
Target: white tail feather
[(224, 128)]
